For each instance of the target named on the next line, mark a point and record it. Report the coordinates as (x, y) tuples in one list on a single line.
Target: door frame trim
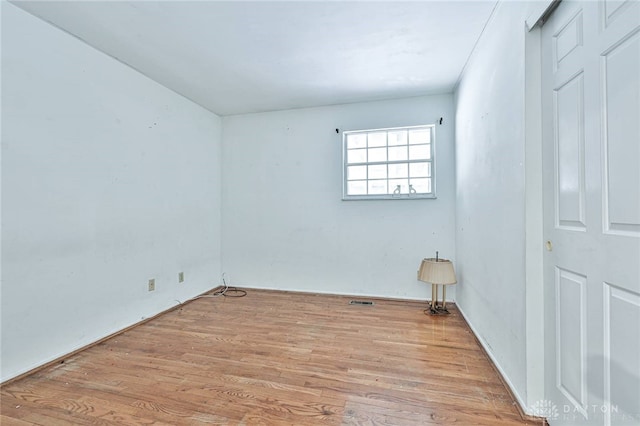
[(534, 214)]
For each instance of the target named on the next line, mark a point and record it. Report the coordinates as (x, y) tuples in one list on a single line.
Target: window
[(396, 163)]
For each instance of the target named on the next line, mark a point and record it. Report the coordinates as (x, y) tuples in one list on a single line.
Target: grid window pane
[(420, 152), (377, 139), (378, 172), (403, 183), (398, 170), (419, 136), (420, 169), (357, 187), (397, 153), (379, 162), (378, 187), (397, 138), (422, 185), (356, 156), (356, 172), (377, 154), (358, 140)]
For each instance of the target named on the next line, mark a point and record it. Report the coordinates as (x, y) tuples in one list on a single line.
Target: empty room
[(320, 212)]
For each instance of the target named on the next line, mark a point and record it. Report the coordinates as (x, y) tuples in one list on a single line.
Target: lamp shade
[(438, 271)]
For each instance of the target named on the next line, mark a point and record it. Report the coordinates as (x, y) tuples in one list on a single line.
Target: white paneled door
[(591, 157)]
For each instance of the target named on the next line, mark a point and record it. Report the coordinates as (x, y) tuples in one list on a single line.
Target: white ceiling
[(236, 57)]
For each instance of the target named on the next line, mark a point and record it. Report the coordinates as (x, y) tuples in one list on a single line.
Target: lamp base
[(434, 308)]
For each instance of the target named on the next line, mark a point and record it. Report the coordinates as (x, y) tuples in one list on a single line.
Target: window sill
[(388, 197)]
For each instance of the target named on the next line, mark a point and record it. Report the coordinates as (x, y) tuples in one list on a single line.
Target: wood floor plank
[(10, 421), (273, 358)]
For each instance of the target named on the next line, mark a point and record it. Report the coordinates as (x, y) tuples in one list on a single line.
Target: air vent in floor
[(361, 302)]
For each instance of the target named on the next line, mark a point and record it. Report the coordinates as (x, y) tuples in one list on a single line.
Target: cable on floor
[(226, 291)]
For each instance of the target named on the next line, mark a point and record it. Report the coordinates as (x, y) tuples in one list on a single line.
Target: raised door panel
[(621, 95), (621, 356), (571, 337), (569, 154)]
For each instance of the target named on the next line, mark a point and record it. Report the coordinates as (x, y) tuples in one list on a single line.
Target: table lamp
[(437, 272)]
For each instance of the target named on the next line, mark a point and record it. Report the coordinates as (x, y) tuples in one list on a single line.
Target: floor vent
[(361, 302)]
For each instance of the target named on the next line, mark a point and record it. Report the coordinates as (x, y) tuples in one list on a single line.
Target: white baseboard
[(489, 352)]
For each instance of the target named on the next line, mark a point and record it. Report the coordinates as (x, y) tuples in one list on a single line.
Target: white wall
[(285, 226), (108, 179), (490, 192)]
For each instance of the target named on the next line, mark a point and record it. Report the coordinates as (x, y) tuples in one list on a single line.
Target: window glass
[(393, 163)]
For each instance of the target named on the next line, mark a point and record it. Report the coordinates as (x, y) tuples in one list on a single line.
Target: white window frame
[(403, 196)]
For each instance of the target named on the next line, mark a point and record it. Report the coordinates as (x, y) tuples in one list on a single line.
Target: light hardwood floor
[(273, 358)]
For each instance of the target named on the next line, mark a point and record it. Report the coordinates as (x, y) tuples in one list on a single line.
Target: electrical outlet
[(152, 284), (180, 277)]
